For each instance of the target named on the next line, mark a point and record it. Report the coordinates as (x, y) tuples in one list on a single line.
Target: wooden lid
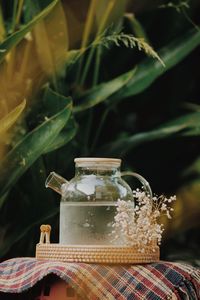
[(97, 161)]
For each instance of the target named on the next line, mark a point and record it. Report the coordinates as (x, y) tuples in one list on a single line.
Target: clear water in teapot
[(87, 223)]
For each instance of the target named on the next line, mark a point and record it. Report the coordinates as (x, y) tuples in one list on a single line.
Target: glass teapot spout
[(55, 182)]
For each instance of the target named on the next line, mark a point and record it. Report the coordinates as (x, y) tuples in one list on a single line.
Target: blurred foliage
[(73, 83)]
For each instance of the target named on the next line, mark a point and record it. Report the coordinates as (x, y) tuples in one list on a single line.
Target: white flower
[(138, 226)]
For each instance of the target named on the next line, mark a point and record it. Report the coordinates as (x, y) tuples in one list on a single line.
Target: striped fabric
[(163, 280)]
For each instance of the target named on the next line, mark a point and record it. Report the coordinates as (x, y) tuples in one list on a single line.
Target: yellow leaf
[(108, 12), (103, 13), (105, 17), (51, 36), (186, 212), (2, 27), (7, 121)]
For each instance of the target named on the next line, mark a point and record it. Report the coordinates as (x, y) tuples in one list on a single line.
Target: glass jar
[(89, 200)]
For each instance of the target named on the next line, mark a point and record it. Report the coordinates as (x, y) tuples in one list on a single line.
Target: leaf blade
[(7, 121), (179, 126), (16, 37), (52, 40), (64, 137), (149, 70), (102, 91), (24, 154)]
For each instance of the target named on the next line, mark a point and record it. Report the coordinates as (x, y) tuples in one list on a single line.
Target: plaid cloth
[(163, 280)]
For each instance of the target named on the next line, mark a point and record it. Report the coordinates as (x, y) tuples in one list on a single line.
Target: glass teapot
[(89, 200)]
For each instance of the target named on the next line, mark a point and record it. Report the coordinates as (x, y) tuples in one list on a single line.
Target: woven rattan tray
[(93, 253), (96, 254)]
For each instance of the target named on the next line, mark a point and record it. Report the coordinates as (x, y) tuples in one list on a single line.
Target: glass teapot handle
[(141, 179)]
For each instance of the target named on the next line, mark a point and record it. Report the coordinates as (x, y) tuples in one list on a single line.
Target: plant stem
[(19, 11), (99, 129), (99, 31), (87, 133), (14, 16), (189, 19), (87, 65), (86, 34), (97, 65)]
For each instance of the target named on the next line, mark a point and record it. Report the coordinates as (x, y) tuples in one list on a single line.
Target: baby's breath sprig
[(138, 225)]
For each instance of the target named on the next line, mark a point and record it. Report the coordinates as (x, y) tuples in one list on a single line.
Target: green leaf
[(24, 154), (20, 232), (53, 101), (16, 37), (194, 168), (22, 228), (149, 70), (11, 118), (64, 137), (102, 91), (180, 126), (32, 212)]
